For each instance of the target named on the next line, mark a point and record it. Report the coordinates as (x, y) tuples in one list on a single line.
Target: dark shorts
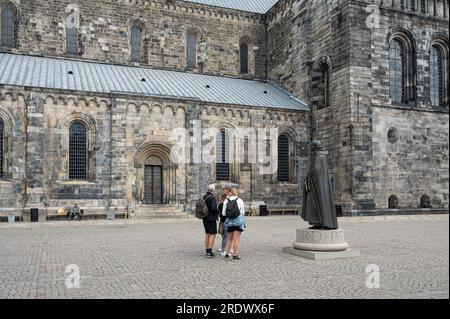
[(234, 228), (210, 227)]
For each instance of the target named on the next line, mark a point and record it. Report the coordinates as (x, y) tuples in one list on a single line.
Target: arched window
[(397, 71), (283, 158), (393, 202), (136, 44), (7, 27), (423, 6), (191, 50), (2, 150), (72, 38), (77, 151), (436, 76), (321, 83), (425, 202), (402, 68), (222, 156), (243, 49)]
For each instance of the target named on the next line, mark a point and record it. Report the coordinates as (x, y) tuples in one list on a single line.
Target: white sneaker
[(219, 250), (223, 254)]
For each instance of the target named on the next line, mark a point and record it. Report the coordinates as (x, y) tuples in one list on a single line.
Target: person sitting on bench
[(74, 212)]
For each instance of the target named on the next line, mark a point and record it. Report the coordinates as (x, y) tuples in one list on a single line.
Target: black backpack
[(232, 211), (201, 208)]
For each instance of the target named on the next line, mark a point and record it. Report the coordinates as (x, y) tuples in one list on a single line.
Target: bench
[(283, 210), (4, 219), (84, 216)]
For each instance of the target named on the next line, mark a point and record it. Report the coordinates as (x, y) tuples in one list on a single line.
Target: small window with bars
[(191, 50), (2, 149), (222, 157), (7, 27), (136, 44), (244, 58), (283, 158), (77, 152)]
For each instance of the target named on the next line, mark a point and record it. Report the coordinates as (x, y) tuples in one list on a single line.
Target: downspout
[(24, 177), (111, 107), (266, 44)]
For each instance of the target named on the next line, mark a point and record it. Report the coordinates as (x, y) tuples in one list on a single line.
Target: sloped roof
[(255, 6), (75, 75)]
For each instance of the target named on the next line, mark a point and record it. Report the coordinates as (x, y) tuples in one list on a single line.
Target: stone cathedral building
[(91, 93)]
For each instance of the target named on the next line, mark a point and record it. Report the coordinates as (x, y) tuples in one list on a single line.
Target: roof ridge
[(252, 6), (141, 67), (103, 78)]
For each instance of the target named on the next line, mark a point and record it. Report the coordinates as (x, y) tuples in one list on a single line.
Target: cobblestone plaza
[(165, 259)]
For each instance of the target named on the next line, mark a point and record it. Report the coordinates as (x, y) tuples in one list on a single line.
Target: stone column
[(193, 170), (34, 156)]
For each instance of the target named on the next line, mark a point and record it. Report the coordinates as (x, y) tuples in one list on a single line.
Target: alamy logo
[(373, 277), (73, 279), (373, 19)]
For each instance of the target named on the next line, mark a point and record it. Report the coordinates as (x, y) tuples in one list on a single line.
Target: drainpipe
[(266, 55), (24, 180), (111, 108)]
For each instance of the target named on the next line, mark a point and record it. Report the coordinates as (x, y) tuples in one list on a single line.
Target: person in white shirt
[(234, 225)]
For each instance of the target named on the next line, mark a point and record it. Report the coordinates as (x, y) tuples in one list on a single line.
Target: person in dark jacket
[(210, 222)]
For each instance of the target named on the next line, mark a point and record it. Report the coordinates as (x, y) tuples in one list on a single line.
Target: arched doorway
[(393, 202), (153, 181), (155, 174)]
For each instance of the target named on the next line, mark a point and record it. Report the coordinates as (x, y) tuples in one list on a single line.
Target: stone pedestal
[(320, 240), (321, 244)]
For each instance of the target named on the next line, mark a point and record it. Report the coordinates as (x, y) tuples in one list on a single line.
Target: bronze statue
[(318, 203)]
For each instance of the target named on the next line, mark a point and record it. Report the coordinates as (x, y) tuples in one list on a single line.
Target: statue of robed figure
[(318, 203)]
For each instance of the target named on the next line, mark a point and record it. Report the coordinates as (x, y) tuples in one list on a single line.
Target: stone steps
[(159, 211)]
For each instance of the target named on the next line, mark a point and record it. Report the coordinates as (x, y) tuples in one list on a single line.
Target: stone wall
[(354, 43), (122, 134), (105, 27), (316, 32), (289, 45), (13, 185), (415, 162), (60, 112)]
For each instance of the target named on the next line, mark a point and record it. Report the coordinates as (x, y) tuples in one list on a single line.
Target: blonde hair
[(233, 192)]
